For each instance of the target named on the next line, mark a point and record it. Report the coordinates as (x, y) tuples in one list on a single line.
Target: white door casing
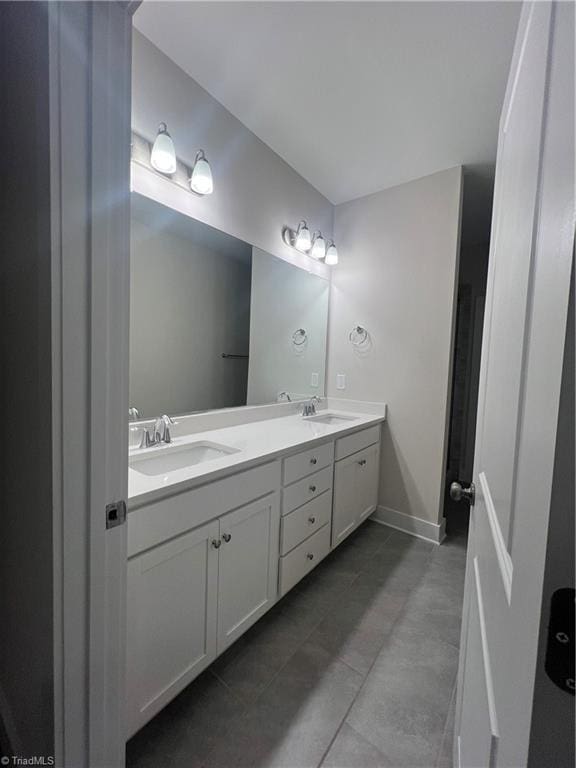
[(90, 85), (523, 343)]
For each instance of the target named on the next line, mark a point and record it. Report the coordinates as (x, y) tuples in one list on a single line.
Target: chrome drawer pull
[(312, 488), (362, 462), (313, 460), (216, 543), (310, 556), (312, 520), (226, 536)]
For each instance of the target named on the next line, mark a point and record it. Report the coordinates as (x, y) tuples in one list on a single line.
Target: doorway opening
[(467, 346)]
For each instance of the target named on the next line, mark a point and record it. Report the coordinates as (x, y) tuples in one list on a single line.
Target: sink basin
[(330, 418), (167, 460)]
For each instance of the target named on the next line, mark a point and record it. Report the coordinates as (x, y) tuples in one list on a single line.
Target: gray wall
[(283, 299), (552, 731), (255, 192), (26, 564), (188, 305), (397, 276)]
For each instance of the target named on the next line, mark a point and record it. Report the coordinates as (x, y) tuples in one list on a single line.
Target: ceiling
[(355, 96)]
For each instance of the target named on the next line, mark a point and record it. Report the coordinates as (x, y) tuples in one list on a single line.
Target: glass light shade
[(303, 241), (163, 155), (201, 180), (332, 255), (318, 247)]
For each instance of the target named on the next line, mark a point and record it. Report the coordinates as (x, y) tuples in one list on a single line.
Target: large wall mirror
[(215, 322)]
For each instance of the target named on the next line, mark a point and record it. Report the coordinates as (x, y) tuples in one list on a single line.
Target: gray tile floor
[(355, 668)]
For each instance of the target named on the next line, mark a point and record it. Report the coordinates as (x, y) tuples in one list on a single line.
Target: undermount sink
[(170, 460), (330, 418)]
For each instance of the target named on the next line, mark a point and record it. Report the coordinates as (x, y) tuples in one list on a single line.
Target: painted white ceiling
[(355, 96)]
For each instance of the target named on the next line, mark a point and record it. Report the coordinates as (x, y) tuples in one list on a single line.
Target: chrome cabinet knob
[(457, 492), (362, 462), (312, 488), (226, 536), (310, 556), (313, 460), (216, 543), (312, 520)]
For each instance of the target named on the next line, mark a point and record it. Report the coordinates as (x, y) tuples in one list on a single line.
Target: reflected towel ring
[(299, 337), (358, 335)]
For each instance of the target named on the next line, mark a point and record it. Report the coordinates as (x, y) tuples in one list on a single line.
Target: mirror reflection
[(215, 322)]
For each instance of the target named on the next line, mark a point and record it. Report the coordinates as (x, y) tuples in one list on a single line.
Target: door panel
[(478, 729), (171, 603), (511, 260), (523, 344), (248, 567)]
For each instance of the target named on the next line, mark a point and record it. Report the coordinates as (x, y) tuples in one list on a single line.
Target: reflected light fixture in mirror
[(318, 250), (163, 154), (303, 241), (201, 180), (331, 254)]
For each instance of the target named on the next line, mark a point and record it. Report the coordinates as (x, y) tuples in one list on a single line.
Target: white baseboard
[(415, 526)]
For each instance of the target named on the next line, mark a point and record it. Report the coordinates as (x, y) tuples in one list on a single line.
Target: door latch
[(559, 663), (115, 514)]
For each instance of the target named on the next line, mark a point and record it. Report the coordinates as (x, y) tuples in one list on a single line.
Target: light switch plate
[(340, 381), (314, 380)]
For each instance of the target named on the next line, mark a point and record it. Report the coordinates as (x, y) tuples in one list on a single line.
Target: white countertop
[(256, 443)]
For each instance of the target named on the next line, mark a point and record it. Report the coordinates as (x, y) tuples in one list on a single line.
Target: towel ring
[(358, 336), (299, 337)]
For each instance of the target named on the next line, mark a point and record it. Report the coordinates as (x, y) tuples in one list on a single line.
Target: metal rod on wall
[(234, 357)]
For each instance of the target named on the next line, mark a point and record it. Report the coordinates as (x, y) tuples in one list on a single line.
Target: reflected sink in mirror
[(333, 419), (170, 460)]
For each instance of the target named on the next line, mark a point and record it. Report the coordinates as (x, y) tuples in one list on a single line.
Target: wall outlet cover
[(314, 380), (340, 381)]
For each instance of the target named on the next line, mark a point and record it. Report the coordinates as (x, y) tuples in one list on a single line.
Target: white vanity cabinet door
[(368, 476), (345, 505), (248, 567), (355, 491), (171, 613)]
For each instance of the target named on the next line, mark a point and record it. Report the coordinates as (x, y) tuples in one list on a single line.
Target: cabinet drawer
[(304, 521), (356, 441), (296, 564), (305, 490), (307, 462)]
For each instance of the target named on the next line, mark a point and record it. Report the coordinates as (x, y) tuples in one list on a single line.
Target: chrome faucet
[(160, 434), (309, 407)]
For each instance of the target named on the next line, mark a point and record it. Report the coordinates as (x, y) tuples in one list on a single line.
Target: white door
[(523, 343), (248, 567), (171, 610)]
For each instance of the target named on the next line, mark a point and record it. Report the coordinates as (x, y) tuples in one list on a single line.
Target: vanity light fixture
[(302, 241), (163, 154), (318, 250), (331, 254), (201, 180)]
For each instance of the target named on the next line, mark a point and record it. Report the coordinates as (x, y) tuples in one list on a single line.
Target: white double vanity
[(225, 520)]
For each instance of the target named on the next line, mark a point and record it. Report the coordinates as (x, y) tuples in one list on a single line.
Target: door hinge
[(559, 663), (115, 514)]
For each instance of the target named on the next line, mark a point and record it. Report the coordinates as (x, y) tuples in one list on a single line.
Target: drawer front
[(307, 462), (304, 521), (296, 564), (357, 441), (305, 490)]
